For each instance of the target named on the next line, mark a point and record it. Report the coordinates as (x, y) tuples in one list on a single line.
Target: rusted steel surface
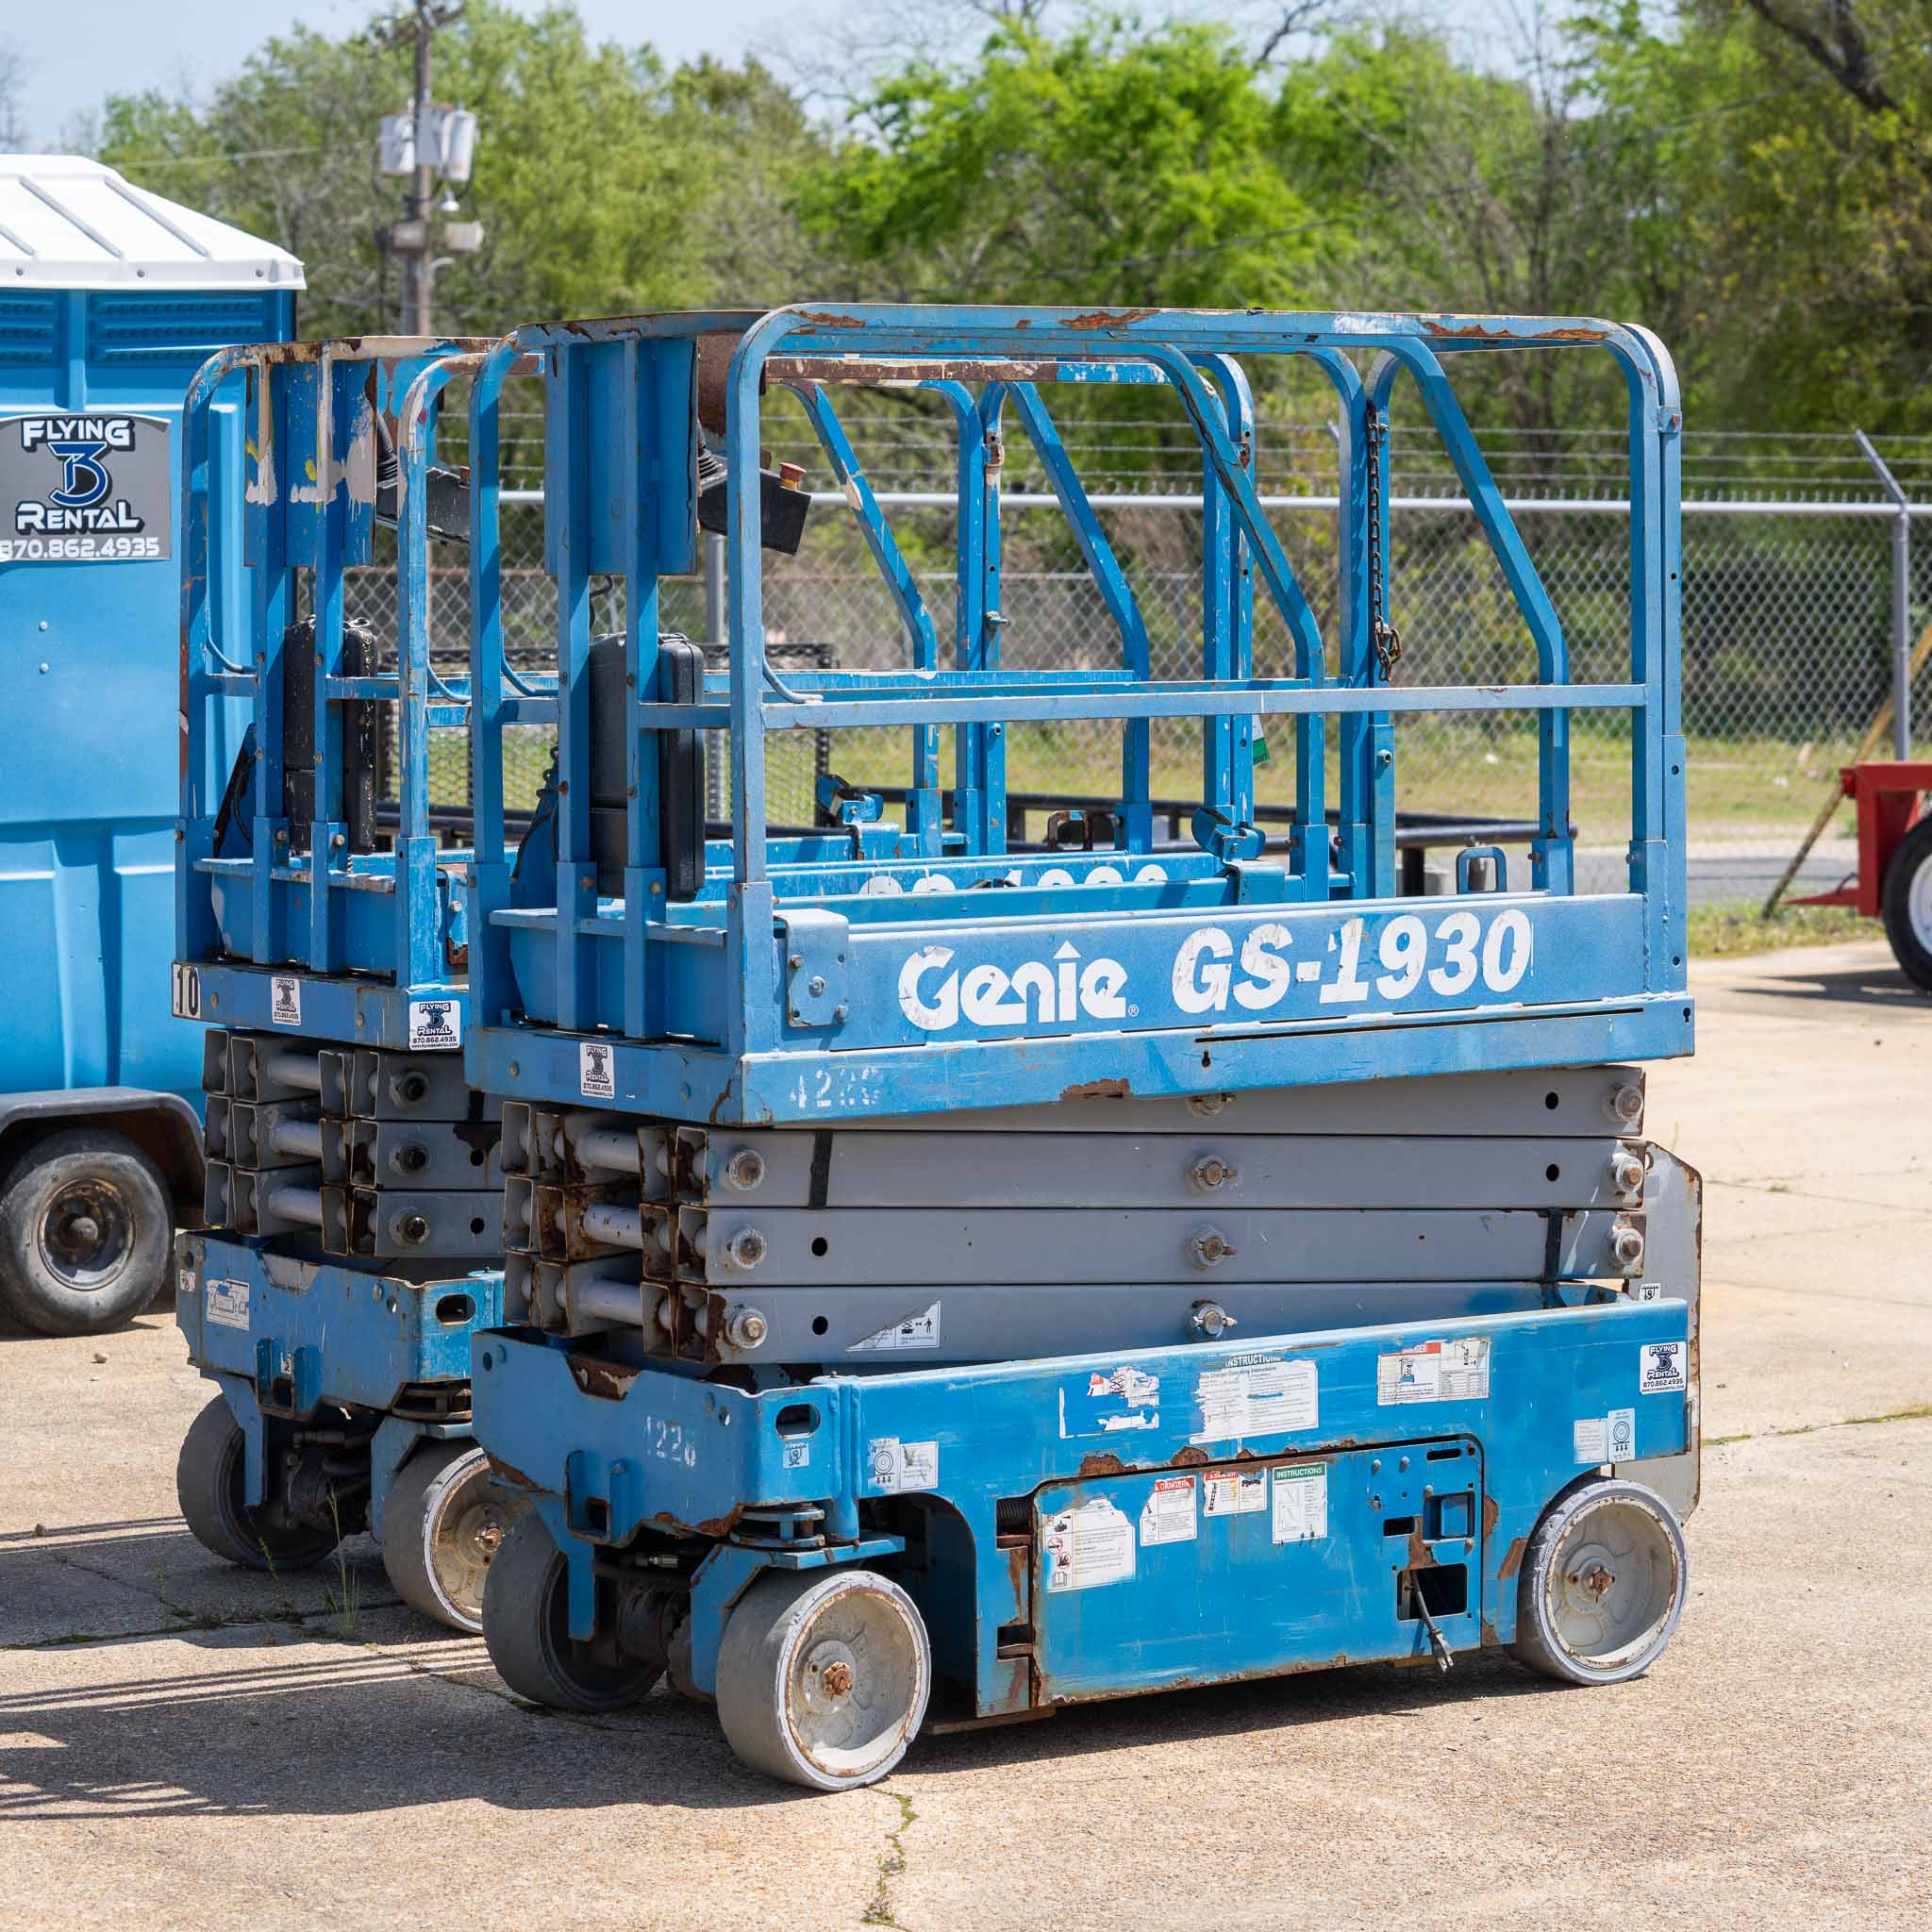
[(609, 1380)]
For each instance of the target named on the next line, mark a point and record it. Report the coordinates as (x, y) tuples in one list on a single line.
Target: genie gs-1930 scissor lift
[(944, 1272), (353, 1202)]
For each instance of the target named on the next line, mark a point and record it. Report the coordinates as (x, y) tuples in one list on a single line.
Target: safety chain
[(1387, 638)]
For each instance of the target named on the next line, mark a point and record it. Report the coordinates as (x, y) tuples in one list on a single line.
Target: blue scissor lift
[(354, 1186), (946, 1273)]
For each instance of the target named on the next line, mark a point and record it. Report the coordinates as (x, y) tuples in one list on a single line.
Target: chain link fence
[(1788, 613)]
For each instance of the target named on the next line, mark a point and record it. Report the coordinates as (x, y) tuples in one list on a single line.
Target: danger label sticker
[(1168, 1514), (1435, 1372), (1660, 1368), (1257, 1395), (1299, 1496), (285, 1000), (227, 1303), (1088, 1546)]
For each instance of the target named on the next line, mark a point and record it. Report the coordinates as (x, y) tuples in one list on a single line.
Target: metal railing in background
[(1799, 582)]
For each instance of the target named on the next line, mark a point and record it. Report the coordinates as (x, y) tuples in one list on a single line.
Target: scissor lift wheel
[(208, 1485), (527, 1627), (1603, 1585), (823, 1679), (443, 1525)]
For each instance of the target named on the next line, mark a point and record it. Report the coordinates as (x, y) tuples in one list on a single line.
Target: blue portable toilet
[(110, 298)]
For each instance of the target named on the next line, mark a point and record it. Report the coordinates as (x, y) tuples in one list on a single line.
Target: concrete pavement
[(181, 1745)]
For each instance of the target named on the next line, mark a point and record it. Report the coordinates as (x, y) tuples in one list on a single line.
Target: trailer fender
[(162, 1126)]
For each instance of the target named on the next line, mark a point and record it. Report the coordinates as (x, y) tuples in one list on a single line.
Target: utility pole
[(419, 272), (425, 143)]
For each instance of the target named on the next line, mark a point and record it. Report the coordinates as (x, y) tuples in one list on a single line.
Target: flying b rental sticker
[(1660, 1368), (92, 488), (596, 1079), (435, 1026), (285, 1000)]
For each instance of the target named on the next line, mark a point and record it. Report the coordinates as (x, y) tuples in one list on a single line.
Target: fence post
[(1901, 601)]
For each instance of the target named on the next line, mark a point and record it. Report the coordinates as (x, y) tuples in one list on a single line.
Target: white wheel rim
[(852, 1684), (1919, 903), (1612, 1584), (464, 1523)]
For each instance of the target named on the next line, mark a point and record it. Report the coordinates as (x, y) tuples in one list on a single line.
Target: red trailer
[(1894, 877)]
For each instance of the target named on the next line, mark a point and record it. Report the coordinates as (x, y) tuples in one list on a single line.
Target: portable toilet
[(110, 298)]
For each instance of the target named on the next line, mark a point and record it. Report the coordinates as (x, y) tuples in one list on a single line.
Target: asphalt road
[(181, 1745)]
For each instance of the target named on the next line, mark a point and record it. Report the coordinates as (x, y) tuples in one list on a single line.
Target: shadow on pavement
[(265, 1721), (1881, 985)]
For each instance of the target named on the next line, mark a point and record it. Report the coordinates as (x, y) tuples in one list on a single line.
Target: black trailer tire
[(209, 1487), (526, 1630), (1906, 903), (86, 1231)]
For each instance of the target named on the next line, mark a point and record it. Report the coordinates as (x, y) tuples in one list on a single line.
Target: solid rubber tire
[(1535, 1644), (1912, 853), (424, 1488), (526, 1629), (34, 1294), (208, 1487), (764, 1637)]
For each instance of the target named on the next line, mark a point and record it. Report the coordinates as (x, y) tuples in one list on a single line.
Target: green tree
[(1113, 164)]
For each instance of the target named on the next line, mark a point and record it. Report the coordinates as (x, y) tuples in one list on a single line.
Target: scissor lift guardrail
[(789, 985), (354, 1200)]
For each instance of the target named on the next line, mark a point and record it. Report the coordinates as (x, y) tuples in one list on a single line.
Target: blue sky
[(81, 50)]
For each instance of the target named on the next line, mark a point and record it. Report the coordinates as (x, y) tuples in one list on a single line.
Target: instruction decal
[(596, 1079), (1435, 1372), (915, 1331), (1088, 1546), (1660, 1368), (897, 1467), (435, 1026), (227, 1303), (1301, 1503), (1103, 1404), (1237, 1492), (1611, 1438), (1256, 1395), (1168, 1514), (285, 1000)]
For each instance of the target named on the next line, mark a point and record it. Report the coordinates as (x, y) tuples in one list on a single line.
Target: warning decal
[(1301, 1503), (1605, 1438), (1237, 1492), (1088, 1546), (1168, 1514), (895, 1466), (227, 1303), (1256, 1395), (915, 1331), (1435, 1372)]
